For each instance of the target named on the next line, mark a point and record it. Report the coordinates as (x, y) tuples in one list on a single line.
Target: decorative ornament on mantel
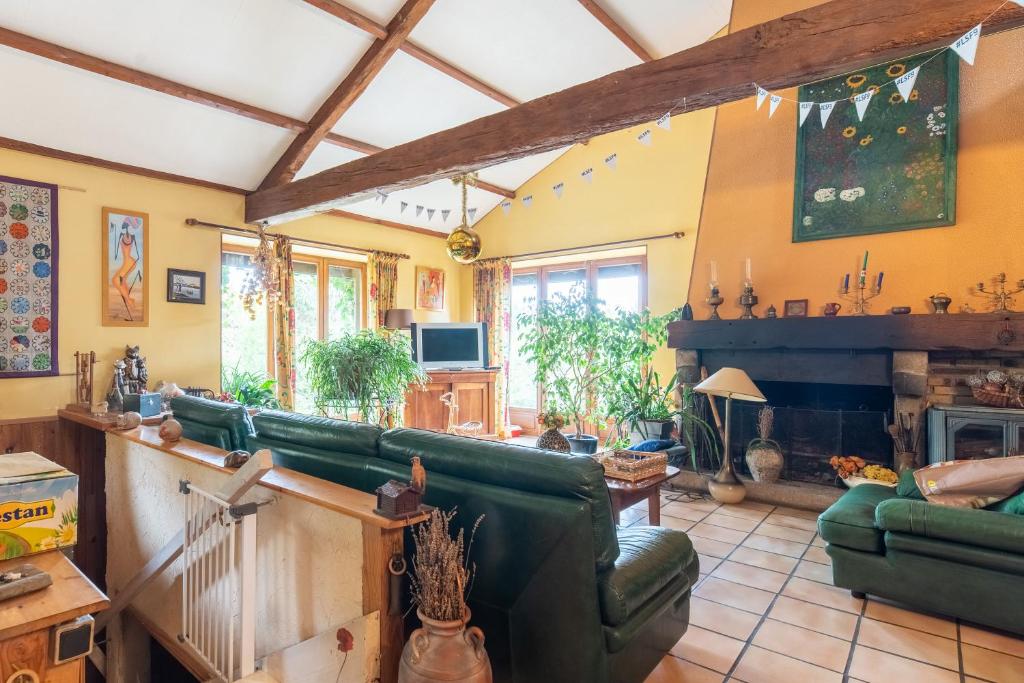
[(263, 279), (463, 241)]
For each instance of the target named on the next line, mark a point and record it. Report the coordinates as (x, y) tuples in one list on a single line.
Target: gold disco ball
[(464, 244)]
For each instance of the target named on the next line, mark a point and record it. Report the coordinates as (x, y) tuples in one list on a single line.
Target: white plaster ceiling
[(286, 56)]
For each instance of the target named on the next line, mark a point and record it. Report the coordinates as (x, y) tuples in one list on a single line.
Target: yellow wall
[(654, 190), (748, 206), (182, 341)]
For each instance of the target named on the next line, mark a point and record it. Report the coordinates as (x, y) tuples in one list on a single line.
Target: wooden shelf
[(951, 332)]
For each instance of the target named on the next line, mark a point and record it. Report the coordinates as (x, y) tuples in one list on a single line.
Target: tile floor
[(764, 611)]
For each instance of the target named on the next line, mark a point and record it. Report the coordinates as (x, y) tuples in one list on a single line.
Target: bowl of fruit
[(854, 471)]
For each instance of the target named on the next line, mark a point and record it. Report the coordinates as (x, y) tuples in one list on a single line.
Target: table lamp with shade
[(732, 383), (398, 318)]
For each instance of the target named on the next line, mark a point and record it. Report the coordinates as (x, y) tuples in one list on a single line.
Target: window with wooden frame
[(619, 280)]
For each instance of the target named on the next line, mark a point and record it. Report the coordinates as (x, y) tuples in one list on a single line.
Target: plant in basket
[(553, 420), (764, 454)]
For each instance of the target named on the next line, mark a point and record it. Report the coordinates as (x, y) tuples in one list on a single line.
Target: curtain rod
[(566, 250), (194, 222)]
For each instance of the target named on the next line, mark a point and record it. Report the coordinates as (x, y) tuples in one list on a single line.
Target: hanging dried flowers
[(263, 279)]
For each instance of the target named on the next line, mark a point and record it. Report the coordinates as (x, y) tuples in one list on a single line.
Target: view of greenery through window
[(243, 340)]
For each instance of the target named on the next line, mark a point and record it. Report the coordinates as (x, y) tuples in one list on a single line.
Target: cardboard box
[(38, 505)]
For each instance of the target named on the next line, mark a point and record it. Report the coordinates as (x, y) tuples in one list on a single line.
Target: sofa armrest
[(972, 527)]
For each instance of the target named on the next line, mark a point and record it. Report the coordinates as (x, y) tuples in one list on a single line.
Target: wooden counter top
[(70, 596)]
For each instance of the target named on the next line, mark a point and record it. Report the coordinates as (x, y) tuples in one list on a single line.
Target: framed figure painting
[(429, 288), (125, 286), (895, 169), (28, 278)]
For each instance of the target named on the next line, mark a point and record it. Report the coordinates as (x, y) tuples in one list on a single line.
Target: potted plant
[(694, 431), (764, 455), (442, 576), (251, 389), (552, 439), (368, 371), (647, 406)]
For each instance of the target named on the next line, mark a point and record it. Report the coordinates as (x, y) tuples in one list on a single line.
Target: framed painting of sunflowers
[(896, 169)]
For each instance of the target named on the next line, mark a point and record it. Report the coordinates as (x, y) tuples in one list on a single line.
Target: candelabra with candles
[(862, 295), (1000, 298)]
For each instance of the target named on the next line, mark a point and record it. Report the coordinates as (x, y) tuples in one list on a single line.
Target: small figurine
[(129, 420), (236, 459), (84, 362), (419, 475), (115, 397), (136, 373), (771, 312)]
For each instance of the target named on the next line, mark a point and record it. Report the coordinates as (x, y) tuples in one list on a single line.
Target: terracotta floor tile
[(909, 643), (992, 640), (733, 594), (670, 522), (797, 512), (809, 646), (786, 533), (764, 666), (995, 666), (746, 513), (746, 575), (881, 610), (674, 670), (754, 505), (815, 572), (708, 546), (763, 559), (723, 619), (634, 513), (692, 503), (708, 563), (708, 649), (717, 533), (818, 542), (832, 622), (775, 545), (816, 554), (875, 666), (820, 594), (683, 511), (794, 522), (731, 522)]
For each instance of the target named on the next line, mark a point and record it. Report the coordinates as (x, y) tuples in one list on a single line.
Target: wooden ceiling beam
[(348, 91), (387, 224), (823, 41), (616, 29), (368, 25)]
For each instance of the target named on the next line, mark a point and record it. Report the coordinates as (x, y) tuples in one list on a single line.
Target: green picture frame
[(893, 171)]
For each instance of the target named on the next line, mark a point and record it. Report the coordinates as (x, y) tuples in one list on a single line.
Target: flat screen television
[(450, 345)]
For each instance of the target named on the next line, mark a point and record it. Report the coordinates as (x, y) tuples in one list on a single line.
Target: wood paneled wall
[(37, 434)]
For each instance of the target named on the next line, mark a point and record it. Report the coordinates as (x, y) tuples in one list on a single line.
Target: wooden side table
[(627, 493), (25, 621)]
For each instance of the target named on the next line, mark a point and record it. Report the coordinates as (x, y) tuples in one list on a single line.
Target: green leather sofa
[(562, 594), (960, 562)]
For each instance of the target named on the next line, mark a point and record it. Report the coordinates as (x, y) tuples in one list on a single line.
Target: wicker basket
[(634, 465), (997, 399)]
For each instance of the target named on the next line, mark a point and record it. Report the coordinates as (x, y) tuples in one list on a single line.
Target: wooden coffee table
[(627, 493)]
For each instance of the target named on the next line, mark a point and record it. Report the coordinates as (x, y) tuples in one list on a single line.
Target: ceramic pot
[(584, 444), (655, 429), (941, 302), (553, 440), (832, 309), (765, 461), (906, 461), (445, 651), (170, 429)]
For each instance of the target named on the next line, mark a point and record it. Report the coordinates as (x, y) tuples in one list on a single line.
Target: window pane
[(243, 339), (619, 287), (344, 291), (522, 388), (307, 326), (562, 281)]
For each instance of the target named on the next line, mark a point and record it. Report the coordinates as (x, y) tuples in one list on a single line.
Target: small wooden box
[(146, 405)]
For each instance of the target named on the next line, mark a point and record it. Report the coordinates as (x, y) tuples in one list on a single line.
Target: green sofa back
[(224, 425)]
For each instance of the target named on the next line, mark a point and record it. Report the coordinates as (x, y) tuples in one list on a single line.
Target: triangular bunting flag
[(527, 200), (383, 196), (805, 109), (444, 214), (472, 214), (825, 109), (773, 104), (862, 101), (967, 45), (588, 175), (430, 214), (506, 206), (402, 207), (419, 210), (611, 161), (645, 137), (905, 83), (665, 120), (558, 189), (761, 94)]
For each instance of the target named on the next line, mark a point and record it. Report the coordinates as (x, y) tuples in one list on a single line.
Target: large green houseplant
[(368, 372)]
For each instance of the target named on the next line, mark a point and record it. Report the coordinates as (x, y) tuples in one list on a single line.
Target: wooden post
[(379, 546)]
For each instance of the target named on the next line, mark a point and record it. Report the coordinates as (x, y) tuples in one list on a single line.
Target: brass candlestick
[(714, 300), (1000, 299), (748, 300), (861, 295)]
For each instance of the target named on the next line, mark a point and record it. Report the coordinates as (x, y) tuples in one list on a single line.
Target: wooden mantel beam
[(822, 41), (617, 29)]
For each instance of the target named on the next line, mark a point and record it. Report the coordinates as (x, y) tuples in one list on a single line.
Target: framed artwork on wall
[(125, 285), (896, 169), (795, 308), (28, 278), (429, 288), (186, 286)]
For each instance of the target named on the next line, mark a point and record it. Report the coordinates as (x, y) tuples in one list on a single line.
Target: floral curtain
[(284, 324), (492, 293), (382, 269)]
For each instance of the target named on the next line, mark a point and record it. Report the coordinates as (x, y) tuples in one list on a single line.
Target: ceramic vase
[(445, 651), (765, 461), (553, 440)]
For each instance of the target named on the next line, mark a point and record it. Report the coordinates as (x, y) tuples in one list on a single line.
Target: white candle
[(749, 279), (714, 271)]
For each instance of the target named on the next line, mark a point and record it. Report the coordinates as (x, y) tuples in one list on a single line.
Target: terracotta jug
[(445, 651), (832, 309)]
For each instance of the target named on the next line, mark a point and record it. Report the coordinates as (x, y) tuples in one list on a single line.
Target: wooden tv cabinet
[(474, 393)]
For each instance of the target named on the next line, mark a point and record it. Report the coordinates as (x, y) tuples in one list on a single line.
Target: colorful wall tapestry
[(896, 169), (28, 278)]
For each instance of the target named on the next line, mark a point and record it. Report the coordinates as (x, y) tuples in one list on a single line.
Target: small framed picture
[(125, 268), (429, 288), (795, 308), (186, 286)]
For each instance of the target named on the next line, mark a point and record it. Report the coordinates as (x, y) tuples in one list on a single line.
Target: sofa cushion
[(346, 469), (356, 438), (228, 416), (850, 521), (218, 437), (907, 486), (1014, 505), (650, 558), (959, 525), (987, 558)]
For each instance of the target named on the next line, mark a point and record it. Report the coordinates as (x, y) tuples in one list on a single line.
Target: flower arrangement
[(552, 418), (853, 465), (442, 575)]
